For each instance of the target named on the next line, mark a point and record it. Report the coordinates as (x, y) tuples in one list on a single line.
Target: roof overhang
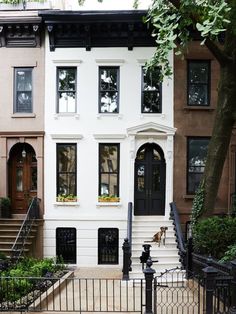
[(87, 29)]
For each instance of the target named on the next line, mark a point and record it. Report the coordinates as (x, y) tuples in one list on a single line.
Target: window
[(198, 83), (151, 91), (66, 90), (23, 90), (66, 169), (197, 153), (108, 89), (109, 169), (108, 239), (66, 245)]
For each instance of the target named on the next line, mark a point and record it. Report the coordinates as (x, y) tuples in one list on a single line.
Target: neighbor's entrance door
[(150, 176), (22, 177)]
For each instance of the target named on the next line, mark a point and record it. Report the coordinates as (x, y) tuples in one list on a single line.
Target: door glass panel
[(34, 159), (156, 186), (19, 179), (140, 177), (156, 155), (33, 185), (141, 154)]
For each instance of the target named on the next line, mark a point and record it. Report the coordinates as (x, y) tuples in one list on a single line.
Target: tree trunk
[(221, 135)]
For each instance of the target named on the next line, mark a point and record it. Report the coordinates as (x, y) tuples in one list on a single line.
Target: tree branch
[(218, 53)]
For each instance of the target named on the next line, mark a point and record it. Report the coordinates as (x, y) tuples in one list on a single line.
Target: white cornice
[(110, 61), (66, 136), (66, 61), (151, 129)]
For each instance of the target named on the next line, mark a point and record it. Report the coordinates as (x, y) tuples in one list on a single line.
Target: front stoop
[(9, 228), (143, 229)]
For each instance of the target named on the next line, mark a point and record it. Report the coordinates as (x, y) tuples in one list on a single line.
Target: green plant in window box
[(108, 198), (67, 198)]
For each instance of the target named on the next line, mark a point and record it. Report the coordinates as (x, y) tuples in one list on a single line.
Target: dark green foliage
[(213, 236), (13, 283), (230, 254)]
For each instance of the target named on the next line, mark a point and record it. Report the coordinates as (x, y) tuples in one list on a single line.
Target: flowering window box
[(108, 199), (66, 198)]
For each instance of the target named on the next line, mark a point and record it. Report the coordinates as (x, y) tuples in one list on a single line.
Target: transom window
[(109, 169), (198, 83), (66, 169), (23, 90), (108, 89), (151, 91), (66, 90), (197, 153), (108, 245)]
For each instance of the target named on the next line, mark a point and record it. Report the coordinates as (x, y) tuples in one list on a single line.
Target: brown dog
[(157, 236)]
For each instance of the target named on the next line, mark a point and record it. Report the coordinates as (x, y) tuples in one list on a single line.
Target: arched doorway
[(22, 177), (150, 178)]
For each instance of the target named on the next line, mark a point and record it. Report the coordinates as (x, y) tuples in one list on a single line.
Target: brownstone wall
[(195, 121)]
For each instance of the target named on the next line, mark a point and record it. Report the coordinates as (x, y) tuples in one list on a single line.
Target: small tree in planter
[(5, 204)]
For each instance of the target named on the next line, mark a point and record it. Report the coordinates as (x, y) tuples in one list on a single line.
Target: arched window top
[(155, 150)]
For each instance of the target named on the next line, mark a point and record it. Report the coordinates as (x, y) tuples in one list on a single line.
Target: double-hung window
[(198, 83), (108, 89), (23, 101), (109, 169), (151, 91), (66, 169), (66, 90), (196, 154)]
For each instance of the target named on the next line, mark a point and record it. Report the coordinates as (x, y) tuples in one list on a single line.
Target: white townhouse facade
[(108, 134)]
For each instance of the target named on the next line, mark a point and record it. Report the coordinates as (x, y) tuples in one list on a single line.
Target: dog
[(157, 236)]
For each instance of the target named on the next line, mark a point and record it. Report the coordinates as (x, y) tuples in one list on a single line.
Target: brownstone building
[(195, 89)]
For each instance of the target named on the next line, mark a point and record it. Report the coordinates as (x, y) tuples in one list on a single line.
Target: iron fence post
[(148, 273), (189, 258), (126, 259), (210, 276), (232, 309)]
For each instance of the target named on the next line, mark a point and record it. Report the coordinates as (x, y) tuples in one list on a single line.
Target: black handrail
[(174, 215), (129, 224), (21, 239)]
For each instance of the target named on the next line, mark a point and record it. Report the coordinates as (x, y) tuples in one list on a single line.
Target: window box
[(66, 198), (108, 199)]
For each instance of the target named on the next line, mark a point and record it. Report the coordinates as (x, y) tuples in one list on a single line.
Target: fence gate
[(173, 293)]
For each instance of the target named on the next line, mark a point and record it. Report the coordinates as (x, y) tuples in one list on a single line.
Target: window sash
[(66, 176), (198, 90), (109, 91), (23, 90), (151, 98), (109, 170), (108, 246), (66, 97), (195, 163)]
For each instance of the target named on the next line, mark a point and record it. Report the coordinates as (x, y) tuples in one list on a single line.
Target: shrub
[(213, 236), (230, 254)]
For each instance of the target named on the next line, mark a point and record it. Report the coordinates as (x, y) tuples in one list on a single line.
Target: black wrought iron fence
[(72, 295)]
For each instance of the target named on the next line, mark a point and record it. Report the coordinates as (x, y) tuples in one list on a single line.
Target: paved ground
[(98, 272)]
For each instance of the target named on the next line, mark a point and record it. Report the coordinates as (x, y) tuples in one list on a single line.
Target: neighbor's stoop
[(143, 229)]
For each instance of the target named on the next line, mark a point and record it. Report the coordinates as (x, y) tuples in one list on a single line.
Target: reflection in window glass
[(33, 186), (109, 169), (19, 179), (197, 153), (108, 242), (108, 89), (151, 91), (198, 83), (23, 90), (66, 89), (66, 169)]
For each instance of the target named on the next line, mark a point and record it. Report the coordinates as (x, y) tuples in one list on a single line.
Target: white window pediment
[(151, 129)]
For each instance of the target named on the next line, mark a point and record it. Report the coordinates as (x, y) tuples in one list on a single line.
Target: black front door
[(150, 173)]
